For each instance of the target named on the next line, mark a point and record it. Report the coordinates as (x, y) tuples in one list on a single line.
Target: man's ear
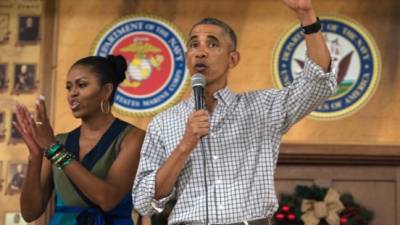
[(234, 58)]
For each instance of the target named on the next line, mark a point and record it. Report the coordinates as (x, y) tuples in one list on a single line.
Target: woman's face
[(85, 92)]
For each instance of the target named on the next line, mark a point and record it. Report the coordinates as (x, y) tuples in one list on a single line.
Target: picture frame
[(3, 77), (15, 177), (15, 137), (28, 29), (3, 128), (25, 75), (2, 183), (4, 28)]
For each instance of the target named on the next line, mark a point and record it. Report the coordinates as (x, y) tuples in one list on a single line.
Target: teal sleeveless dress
[(72, 207)]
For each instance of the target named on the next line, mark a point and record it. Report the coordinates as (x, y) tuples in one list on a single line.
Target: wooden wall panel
[(376, 188), (379, 196), (259, 25)]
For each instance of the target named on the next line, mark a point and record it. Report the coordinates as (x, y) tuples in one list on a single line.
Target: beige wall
[(259, 24)]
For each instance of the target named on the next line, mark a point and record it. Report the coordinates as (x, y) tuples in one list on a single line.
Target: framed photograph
[(28, 28), (14, 218), (15, 136), (1, 176), (15, 177), (4, 28), (24, 79), (2, 126), (3, 77)]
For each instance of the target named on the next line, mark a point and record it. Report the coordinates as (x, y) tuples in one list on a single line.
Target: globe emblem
[(139, 69), (156, 75), (343, 60), (354, 56), (146, 58)]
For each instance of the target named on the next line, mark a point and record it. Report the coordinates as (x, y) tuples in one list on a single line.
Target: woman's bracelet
[(53, 150), (63, 160), (66, 162), (58, 156)]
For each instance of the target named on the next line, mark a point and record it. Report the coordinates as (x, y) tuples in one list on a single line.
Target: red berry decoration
[(285, 208), (291, 216), (343, 220), (280, 216)]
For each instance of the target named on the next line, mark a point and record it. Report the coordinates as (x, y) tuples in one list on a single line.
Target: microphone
[(198, 83)]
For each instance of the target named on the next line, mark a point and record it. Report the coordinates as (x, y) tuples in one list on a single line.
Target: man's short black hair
[(221, 24)]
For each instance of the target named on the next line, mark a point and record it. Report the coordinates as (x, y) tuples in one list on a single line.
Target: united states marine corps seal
[(354, 55), (155, 53)]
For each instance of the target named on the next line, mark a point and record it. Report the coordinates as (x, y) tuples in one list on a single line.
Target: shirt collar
[(224, 96)]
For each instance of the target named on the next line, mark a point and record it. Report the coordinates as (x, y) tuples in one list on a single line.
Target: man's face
[(209, 53), (29, 22), (19, 168), (24, 68)]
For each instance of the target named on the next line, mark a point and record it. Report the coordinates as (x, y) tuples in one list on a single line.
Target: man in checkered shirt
[(219, 163)]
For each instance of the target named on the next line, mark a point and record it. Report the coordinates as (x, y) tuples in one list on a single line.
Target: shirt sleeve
[(151, 158), (307, 91)]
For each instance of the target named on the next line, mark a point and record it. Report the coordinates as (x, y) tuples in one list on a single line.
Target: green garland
[(289, 212)]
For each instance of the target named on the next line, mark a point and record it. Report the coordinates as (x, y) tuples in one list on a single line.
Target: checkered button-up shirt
[(241, 151)]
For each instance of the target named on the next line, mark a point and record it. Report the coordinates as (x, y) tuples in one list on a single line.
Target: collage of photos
[(20, 28), (17, 78), (22, 79)]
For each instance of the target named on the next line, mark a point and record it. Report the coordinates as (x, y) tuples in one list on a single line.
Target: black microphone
[(198, 83)]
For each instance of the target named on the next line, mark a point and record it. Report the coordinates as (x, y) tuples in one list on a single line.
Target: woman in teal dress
[(91, 168)]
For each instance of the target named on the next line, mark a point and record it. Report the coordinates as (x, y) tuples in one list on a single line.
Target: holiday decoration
[(328, 209), (320, 206)]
